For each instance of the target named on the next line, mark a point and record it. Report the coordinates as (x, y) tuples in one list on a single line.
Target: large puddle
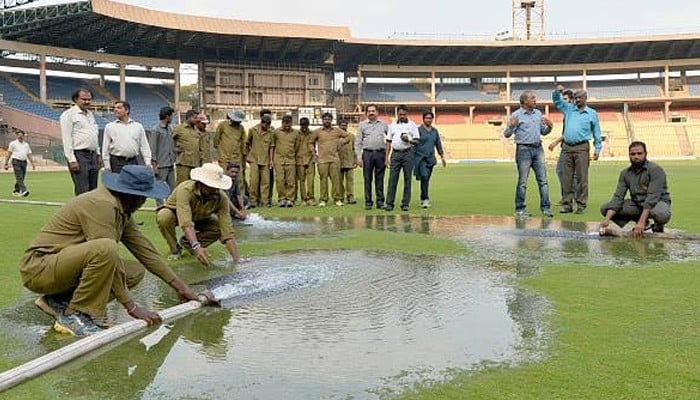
[(348, 324)]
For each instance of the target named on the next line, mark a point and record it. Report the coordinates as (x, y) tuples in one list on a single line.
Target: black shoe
[(368, 207), (657, 228), (581, 210), (566, 210), (404, 208), (388, 208), (381, 206)]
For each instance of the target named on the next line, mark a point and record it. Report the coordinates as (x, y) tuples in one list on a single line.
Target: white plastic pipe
[(52, 203), (83, 346)]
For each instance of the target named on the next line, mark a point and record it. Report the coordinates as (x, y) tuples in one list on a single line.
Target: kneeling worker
[(200, 207), (649, 197), (74, 262)]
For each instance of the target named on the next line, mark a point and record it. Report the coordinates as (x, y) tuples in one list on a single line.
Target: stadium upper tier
[(121, 29), (21, 91)]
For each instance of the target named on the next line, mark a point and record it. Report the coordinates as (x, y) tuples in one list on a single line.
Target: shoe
[(50, 305), (251, 206), (25, 193), (269, 205), (548, 213), (339, 203), (381, 206), (523, 214), (321, 203), (282, 203), (290, 204), (566, 210), (388, 208), (425, 203), (368, 207), (16, 194), (352, 200), (581, 210), (657, 228), (404, 208), (76, 324), (310, 203)]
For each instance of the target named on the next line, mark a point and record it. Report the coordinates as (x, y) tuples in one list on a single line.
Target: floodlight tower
[(528, 20)]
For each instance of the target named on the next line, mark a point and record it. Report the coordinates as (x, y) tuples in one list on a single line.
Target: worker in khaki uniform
[(229, 143), (200, 208), (258, 145), (328, 140), (348, 164), (187, 144), (75, 263), (283, 153), (207, 153), (306, 166)]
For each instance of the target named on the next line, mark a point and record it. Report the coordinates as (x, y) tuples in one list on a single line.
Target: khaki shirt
[(94, 215), (229, 142), (286, 146), (347, 153), (206, 148), (187, 146), (305, 155), (258, 144), (190, 205), (329, 141)]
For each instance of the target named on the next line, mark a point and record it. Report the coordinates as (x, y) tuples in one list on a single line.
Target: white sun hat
[(212, 175)]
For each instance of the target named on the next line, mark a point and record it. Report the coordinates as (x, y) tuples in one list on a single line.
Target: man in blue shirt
[(529, 125), (581, 125)]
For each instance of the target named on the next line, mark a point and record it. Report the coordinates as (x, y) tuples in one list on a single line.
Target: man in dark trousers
[(402, 136), (371, 155), (649, 197)]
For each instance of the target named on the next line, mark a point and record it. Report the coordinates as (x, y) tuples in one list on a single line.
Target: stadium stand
[(450, 117), (543, 91), (16, 98), (694, 88), (457, 93), (622, 89), (661, 139), (647, 114), (393, 92)]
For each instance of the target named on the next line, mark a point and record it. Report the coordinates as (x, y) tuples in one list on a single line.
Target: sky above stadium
[(450, 19)]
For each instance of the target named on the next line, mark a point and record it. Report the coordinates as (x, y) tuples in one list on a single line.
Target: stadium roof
[(117, 28)]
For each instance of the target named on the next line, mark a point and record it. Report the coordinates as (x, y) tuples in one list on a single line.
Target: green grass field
[(618, 333)]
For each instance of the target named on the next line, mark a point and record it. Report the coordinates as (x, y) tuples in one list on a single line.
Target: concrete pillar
[(122, 82), (360, 99), (667, 73), (471, 114), (432, 88), (508, 93), (42, 78), (176, 90), (584, 76)]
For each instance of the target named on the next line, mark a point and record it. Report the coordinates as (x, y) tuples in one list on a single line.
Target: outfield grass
[(619, 333)]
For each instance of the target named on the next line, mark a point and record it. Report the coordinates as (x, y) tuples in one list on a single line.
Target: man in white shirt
[(19, 152), (124, 139), (80, 142), (400, 138)]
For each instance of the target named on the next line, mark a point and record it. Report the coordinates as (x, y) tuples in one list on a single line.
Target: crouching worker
[(236, 203), (200, 207), (74, 263), (649, 197)]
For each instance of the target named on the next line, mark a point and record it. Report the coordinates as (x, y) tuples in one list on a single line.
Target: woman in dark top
[(425, 155)]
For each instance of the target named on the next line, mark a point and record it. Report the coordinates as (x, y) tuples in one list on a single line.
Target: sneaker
[(283, 203), (548, 213), (425, 203), (290, 204), (339, 203), (657, 228), (25, 193), (523, 214), (581, 210), (50, 305), (76, 324), (321, 203), (368, 207), (352, 200), (404, 208), (566, 210), (388, 208), (16, 194)]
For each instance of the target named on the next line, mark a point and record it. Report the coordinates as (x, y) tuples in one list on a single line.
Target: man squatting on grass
[(74, 262), (649, 197)]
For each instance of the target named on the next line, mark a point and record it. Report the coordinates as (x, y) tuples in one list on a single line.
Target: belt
[(575, 144), (88, 151), (530, 144), (122, 157), (402, 150), (377, 150)]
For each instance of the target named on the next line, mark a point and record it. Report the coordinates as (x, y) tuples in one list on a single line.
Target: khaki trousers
[(207, 229), (285, 179), (90, 270), (259, 185), (305, 181), (347, 183), (330, 170), (182, 173)]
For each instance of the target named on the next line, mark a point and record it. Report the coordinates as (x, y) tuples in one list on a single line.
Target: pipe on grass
[(52, 203), (56, 358)]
